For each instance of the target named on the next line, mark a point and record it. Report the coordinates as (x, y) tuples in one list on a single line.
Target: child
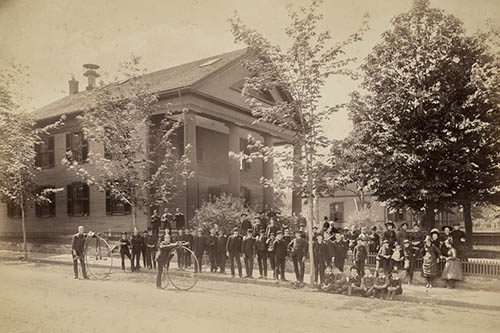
[(124, 249), (327, 285), (409, 261), (384, 256), (380, 285), (339, 281), (354, 282), (397, 257), (394, 287), (360, 254), (367, 283)]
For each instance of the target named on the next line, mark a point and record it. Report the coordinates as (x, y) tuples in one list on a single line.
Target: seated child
[(354, 282), (327, 284), (339, 281), (367, 283), (380, 285), (395, 285)]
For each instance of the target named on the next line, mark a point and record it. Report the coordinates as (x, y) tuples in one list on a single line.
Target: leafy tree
[(300, 72), (428, 119), (224, 211), (120, 118), (19, 134)]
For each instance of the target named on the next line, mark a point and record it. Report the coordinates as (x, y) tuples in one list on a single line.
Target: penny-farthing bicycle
[(98, 256), (181, 268)]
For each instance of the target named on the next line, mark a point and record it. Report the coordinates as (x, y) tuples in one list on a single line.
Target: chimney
[(73, 86), (91, 74)]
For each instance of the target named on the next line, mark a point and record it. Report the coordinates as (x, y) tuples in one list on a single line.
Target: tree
[(120, 118), (300, 72), (19, 134), (428, 119)]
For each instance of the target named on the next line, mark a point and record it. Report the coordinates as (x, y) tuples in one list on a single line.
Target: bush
[(224, 211)]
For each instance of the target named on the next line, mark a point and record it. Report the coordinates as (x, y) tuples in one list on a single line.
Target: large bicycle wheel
[(183, 268), (98, 257)]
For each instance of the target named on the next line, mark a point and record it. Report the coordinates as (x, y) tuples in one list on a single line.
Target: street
[(46, 298)]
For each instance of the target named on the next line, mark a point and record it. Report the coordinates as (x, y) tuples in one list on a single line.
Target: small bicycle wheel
[(183, 269), (98, 257)]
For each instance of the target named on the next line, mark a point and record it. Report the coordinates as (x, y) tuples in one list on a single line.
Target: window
[(245, 195), (78, 146), (337, 212), (115, 206), (13, 210), (244, 163), (45, 153), (78, 199), (46, 209), (214, 192)]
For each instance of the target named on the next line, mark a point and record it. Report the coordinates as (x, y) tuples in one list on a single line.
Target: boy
[(340, 247), (394, 286), (248, 249), (298, 249), (354, 282), (339, 281), (409, 261), (320, 257), (367, 283), (221, 251), (360, 254), (137, 244), (384, 256), (144, 249), (124, 250), (181, 256), (390, 234), (327, 285), (380, 285), (261, 249), (150, 246)]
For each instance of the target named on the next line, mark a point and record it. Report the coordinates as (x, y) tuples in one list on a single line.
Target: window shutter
[(69, 141), (51, 152), (108, 203), (38, 206), (52, 204), (85, 148), (127, 208), (69, 194), (38, 157), (86, 200)]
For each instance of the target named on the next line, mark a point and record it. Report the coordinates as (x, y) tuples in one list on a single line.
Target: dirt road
[(46, 298)]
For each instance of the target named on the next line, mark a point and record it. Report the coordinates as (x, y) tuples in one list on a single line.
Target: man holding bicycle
[(78, 251)]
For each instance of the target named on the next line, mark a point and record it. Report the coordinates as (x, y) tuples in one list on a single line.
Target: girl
[(430, 255), (452, 270)]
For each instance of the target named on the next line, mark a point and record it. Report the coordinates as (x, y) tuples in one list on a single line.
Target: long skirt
[(452, 270), (430, 268)]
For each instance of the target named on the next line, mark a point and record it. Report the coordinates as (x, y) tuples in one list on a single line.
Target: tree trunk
[(468, 225), (134, 216), (311, 217), (23, 225), (428, 218)]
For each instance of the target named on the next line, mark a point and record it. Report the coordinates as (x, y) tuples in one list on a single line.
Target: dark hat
[(416, 225), (279, 232), (404, 223), (374, 228), (445, 226), (389, 223), (235, 229), (406, 241), (249, 231), (456, 223), (243, 214), (272, 234), (315, 227)]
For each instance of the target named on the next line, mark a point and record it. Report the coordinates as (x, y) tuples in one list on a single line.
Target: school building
[(217, 121)]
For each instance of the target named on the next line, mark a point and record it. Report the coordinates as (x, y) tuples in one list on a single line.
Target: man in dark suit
[(280, 252), (211, 247), (78, 251), (163, 258), (320, 257), (198, 248), (181, 256), (340, 248), (245, 224), (137, 242), (179, 219), (221, 251), (298, 249), (150, 242), (261, 250), (233, 250), (155, 223), (248, 249)]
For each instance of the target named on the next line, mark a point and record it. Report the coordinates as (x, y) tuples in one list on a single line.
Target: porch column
[(191, 183), (296, 196), (268, 173), (234, 164)]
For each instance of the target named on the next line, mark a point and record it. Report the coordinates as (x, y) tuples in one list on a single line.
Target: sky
[(54, 38)]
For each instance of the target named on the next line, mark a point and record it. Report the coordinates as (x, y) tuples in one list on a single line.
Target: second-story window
[(78, 146), (45, 153)]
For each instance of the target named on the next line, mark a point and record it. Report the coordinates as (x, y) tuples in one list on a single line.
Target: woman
[(452, 270), (435, 238), (430, 255)]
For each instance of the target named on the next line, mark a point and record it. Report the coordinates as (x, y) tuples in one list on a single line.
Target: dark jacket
[(280, 249), (124, 246), (78, 244), (261, 245), (320, 252), (179, 221), (155, 222), (390, 235), (298, 247), (360, 253), (150, 241), (245, 225), (340, 249), (211, 243), (198, 244), (137, 242), (234, 244), (354, 280), (221, 243), (248, 246)]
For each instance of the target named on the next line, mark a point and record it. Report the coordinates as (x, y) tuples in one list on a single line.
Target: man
[(458, 240), (155, 223), (374, 242), (245, 224), (125, 250), (326, 224), (78, 252), (340, 248), (248, 249), (150, 242), (137, 242), (233, 250), (163, 258), (417, 240), (189, 235), (211, 247), (280, 251), (298, 250), (221, 251), (144, 249), (256, 226), (166, 220), (389, 234), (261, 249), (272, 228), (320, 257), (198, 248), (402, 234), (179, 219), (181, 256)]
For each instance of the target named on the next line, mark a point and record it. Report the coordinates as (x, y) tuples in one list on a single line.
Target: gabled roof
[(182, 76)]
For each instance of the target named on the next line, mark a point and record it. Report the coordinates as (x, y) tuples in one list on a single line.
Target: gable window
[(78, 199), (78, 146), (45, 153), (13, 210), (115, 206), (337, 212), (46, 209)]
